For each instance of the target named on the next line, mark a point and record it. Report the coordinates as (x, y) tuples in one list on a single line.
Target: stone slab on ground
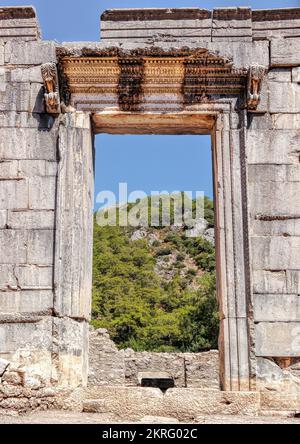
[(62, 417), (183, 404)]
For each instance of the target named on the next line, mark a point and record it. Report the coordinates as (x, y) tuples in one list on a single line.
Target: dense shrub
[(142, 310)]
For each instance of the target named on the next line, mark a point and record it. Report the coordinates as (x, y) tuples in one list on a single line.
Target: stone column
[(73, 248), (232, 254)]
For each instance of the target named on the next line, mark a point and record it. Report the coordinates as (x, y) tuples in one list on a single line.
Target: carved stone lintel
[(51, 96), (255, 77)]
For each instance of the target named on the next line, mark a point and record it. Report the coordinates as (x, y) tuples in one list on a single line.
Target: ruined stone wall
[(273, 149), (109, 366), (38, 336), (46, 185), (187, 25)]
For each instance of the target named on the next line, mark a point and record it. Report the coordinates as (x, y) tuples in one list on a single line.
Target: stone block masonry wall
[(110, 366), (35, 337), (273, 150), (236, 24)]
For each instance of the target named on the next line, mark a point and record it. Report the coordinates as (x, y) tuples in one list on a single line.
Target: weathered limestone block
[(270, 282), (275, 307), (42, 193), (232, 24), (271, 377), (30, 220), (26, 97), (8, 279), (3, 219), (273, 146), (277, 339), (284, 97), (243, 53), (32, 167), (271, 401), (106, 362), (274, 29), (284, 121), (202, 369), (40, 247), (28, 345), (27, 143), (9, 170), (51, 168), (267, 173), (23, 119), (70, 352), (281, 227), (33, 277), (19, 23), (75, 190), (25, 34), (181, 403), (274, 198), (30, 53), (25, 75), (37, 98), (293, 281), (29, 168), (188, 402), (16, 97), (30, 301), (146, 25), (275, 253), (171, 363), (13, 246), (14, 195), (279, 75), (296, 74), (285, 52), (259, 122), (293, 173), (274, 173)]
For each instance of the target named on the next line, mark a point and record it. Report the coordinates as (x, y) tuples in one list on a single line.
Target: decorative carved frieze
[(130, 83), (142, 79), (255, 77), (51, 96)]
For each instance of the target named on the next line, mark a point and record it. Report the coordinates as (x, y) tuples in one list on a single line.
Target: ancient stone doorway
[(158, 296), (235, 76), (231, 215)]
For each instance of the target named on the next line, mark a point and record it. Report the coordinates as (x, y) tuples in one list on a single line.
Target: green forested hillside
[(154, 288)]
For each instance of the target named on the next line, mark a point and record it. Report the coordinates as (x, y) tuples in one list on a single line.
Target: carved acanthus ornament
[(255, 77), (51, 96)]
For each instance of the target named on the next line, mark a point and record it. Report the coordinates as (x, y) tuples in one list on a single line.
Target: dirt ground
[(59, 417)]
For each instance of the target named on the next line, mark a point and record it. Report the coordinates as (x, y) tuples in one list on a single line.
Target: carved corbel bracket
[(255, 77), (51, 96)]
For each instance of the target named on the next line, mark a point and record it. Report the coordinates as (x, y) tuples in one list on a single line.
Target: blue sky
[(144, 162)]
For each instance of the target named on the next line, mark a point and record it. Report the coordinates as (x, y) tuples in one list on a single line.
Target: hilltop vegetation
[(155, 288)]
